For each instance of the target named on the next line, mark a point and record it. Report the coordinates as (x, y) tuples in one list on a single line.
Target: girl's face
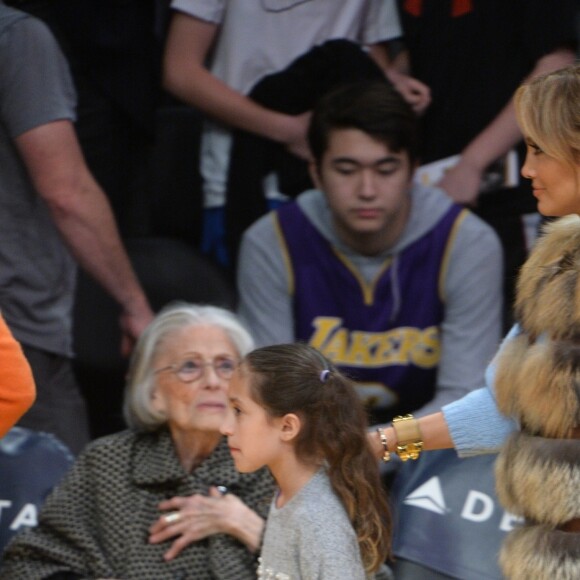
[(556, 184), (253, 436)]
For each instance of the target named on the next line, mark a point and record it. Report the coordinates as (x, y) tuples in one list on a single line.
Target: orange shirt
[(17, 388)]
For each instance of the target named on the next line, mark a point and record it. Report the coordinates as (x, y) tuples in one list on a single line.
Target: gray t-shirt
[(37, 273), (311, 537)]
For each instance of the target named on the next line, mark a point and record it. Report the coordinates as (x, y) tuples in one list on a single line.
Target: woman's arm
[(17, 388), (189, 519), (434, 431), (472, 425)]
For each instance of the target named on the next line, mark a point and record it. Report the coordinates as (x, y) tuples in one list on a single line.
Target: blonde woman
[(530, 408)]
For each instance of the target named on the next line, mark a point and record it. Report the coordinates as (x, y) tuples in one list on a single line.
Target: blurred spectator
[(242, 42), (114, 51), (256, 161), (48, 197)]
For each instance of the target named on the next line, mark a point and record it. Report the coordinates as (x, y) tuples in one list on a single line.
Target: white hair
[(137, 407)]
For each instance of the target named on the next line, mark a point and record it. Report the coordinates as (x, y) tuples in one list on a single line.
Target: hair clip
[(324, 375)]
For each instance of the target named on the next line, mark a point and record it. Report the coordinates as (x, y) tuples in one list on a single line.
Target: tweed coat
[(95, 523)]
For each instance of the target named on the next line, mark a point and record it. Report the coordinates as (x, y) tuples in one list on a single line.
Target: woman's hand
[(194, 518)]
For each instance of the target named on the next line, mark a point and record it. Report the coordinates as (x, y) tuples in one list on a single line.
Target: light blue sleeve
[(475, 422)]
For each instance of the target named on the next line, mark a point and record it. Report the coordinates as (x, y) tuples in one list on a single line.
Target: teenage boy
[(395, 283)]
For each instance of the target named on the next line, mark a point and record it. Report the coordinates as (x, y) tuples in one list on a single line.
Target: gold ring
[(172, 517)]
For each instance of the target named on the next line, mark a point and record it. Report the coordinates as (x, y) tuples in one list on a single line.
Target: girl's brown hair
[(296, 378)]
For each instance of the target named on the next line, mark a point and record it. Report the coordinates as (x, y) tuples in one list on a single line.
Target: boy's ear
[(290, 426)]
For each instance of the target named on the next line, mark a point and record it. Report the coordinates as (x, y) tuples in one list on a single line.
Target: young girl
[(295, 413)]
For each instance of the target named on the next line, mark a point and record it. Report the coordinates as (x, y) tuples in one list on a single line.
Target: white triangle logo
[(428, 496)]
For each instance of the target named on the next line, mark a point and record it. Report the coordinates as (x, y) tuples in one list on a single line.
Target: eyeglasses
[(192, 369)]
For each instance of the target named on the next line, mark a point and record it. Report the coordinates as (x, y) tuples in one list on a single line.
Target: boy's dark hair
[(373, 107)]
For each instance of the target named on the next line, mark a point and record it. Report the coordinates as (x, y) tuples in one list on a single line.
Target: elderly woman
[(163, 499)]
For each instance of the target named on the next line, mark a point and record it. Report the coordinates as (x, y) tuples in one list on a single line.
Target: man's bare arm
[(84, 218)]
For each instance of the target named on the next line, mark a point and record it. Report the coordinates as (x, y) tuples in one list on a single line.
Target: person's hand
[(296, 142), (133, 323), (189, 519), (416, 93), (461, 183)]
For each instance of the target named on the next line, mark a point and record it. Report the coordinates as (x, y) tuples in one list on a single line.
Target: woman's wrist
[(403, 438), (248, 529), (254, 534), (377, 441), (391, 439)]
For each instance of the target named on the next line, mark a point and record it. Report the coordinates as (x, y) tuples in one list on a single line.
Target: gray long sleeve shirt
[(311, 538)]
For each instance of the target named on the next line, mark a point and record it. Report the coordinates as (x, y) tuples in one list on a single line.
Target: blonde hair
[(138, 411), (548, 112)]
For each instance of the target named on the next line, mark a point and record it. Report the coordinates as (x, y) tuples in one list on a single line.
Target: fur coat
[(538, 383)]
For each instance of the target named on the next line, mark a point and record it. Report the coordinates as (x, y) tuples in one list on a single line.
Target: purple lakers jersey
[(384, 334)]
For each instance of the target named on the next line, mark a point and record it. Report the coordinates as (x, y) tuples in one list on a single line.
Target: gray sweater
[(311, 538), (470, 331)]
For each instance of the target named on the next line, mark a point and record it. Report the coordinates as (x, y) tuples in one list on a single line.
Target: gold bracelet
[(386, 454), (409, 438)]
